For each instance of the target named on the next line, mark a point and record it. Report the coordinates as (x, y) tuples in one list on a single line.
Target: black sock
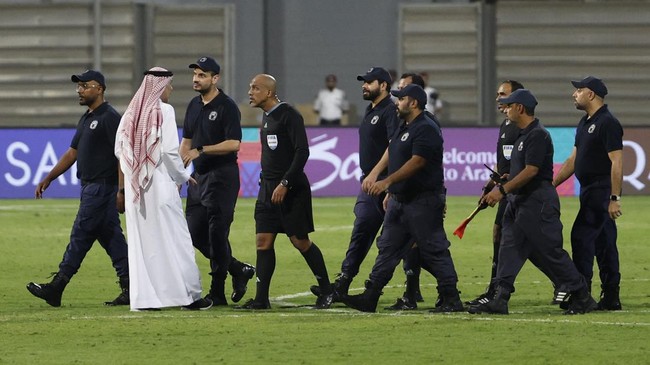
[(412, 268), (316, 263), (265, 268)]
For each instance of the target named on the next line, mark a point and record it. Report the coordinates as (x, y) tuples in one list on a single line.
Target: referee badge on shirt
[(405, 136), (213, 115), (507, 151), (93, 124), (591, 128), (272, 141)]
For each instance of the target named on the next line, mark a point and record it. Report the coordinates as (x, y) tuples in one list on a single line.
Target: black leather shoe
[(240, 282), (252, 304), (403, 304)]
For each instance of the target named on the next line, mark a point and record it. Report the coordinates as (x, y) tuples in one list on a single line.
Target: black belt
[(594, 179), (408, 197), (104, 181)]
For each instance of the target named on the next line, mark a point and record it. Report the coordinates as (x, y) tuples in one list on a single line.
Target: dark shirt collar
[(530, 127)]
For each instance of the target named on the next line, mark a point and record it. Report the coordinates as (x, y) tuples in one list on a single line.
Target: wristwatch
[(284, 183), (502, 190), (200, 149), (615, 198)]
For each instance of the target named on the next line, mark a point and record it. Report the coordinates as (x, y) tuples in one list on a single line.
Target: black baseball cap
[(376, 73), (90, 75), (207, 64), (592, 83), (414, 91), (521, 96)]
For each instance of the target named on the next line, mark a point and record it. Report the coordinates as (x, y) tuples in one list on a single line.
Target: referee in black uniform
[(508, 134), (414, 206), (211, 138), (92, 147), (531, 223), (597, 160), (284, 201)]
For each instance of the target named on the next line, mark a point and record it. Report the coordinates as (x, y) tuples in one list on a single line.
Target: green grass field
[(34, 234)]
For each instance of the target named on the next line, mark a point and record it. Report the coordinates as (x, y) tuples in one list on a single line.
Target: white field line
[(581, 319)]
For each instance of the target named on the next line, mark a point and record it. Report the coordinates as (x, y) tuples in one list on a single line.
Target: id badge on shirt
[(272, 141), (507, 151)]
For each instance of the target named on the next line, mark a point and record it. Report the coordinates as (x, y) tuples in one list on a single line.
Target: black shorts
[(293, 217)]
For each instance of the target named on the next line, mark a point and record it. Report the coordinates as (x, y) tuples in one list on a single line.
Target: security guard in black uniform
[(379, 123), (414, 206), (92, 147), (211, 138), (597, 160), (531, 223)]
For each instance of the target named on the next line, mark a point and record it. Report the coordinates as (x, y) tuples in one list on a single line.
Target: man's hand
[(40, 188), (379, 187), (189, 156), (367, 183), (120, 201), (615, 209), (492, 198), (279, 193)]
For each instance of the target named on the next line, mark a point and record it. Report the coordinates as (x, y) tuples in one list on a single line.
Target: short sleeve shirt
[(94, 141), (595, 138), (423, 138), (508, 134), (210, 124), (533, 147), (285, 149), (378, 125)]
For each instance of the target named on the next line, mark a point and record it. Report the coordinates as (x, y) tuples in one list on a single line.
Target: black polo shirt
[(285, 149), (95, 145), (209, 124), (508, 134), (533, 147), (378, 125), (595, 138), (421, 137)]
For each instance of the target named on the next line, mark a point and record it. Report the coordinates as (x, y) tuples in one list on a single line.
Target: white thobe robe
[(162, 265)]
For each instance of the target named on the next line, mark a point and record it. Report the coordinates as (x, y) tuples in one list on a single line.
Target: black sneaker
[(477, 300), (495, 304), (324, 301), (198, 305), (490, 306), (252, 304), (240, 281), (581, 306), (403, 304)]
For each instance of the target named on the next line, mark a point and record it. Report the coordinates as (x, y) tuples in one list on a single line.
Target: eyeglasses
[(83, 87)]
